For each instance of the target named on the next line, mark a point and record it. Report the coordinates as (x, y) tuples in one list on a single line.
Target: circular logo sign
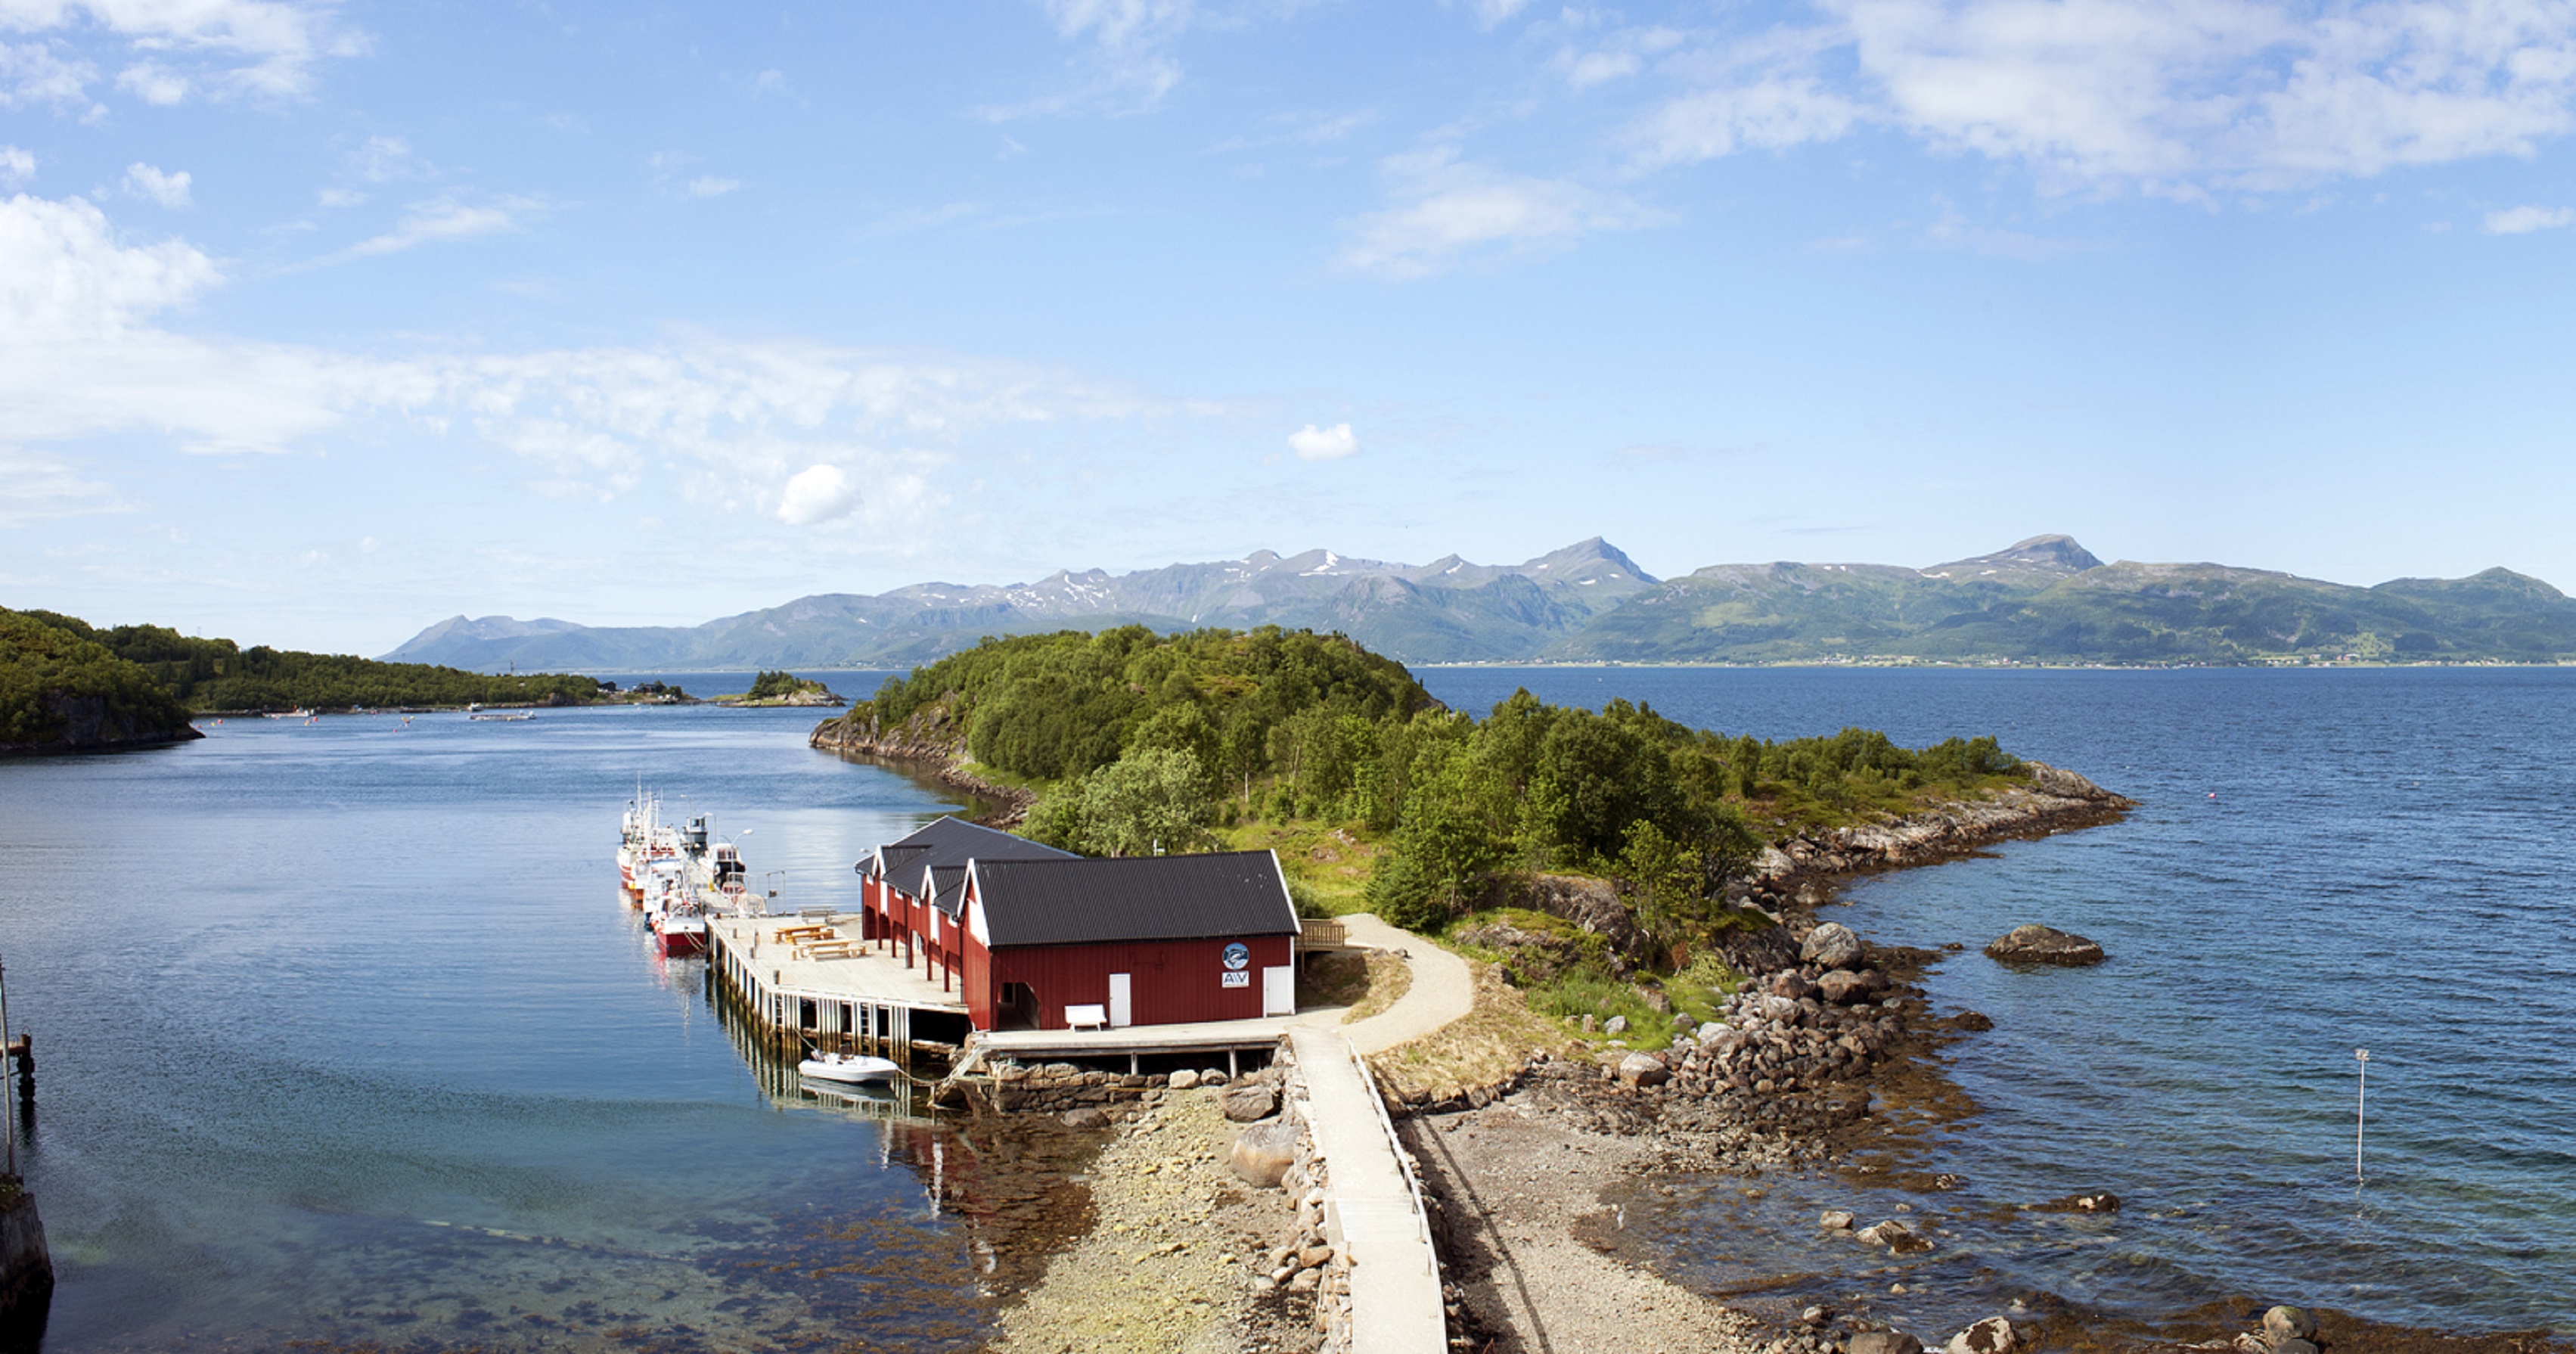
[(1237, 955)]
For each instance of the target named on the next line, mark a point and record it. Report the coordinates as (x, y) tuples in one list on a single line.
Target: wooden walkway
[(860, 1002)]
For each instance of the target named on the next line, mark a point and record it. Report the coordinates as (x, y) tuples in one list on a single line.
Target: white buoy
[(2360, 1110)]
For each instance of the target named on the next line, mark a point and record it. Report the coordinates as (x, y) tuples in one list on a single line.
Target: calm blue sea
[(345, 1037), (2325, 861)]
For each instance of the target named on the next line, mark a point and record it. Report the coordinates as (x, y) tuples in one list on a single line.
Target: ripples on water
[(2384, 866), (344, 1036)]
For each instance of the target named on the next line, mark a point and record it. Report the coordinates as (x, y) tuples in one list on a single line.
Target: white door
[(1122, 1009), (1279, 990)]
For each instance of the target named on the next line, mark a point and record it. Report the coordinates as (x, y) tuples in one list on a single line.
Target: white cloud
[(152, 185), (1769, 115), (30, 73), (2177, 97), (711, 186), (818, 493), (387, 159), (1323, 444), (438, 220), (63, 272), (1127, 53), (340, 197), (46, 487), (263, 48), (2524, 220), (1491, 13), (16, 166), (1447, 212), (154, 83), (83, 354), (1621, 53), (1300, 129)]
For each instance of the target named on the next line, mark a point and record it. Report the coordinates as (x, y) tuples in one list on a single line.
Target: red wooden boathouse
[(1036, 938)]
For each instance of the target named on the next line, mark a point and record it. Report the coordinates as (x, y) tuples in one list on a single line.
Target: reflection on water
[(348, 1041)]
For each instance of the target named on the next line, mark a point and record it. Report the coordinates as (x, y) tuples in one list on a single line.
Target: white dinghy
[(850, 1067)]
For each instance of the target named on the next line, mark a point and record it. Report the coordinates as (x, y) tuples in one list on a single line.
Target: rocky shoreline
[(928, 745)]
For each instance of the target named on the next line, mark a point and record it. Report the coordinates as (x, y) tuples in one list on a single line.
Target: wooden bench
[(798, 935), (827, 949), (1087, 1017)]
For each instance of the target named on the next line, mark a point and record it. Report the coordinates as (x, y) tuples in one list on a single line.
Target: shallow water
[(343, 1035), (2384, 865)]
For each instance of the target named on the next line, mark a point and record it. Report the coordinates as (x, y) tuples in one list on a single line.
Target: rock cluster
[(1055, 1088), (1799, 1030), (1993, 1335), (2285, 1330), (2043, 945)]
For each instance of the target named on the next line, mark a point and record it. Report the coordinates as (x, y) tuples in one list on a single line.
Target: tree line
[(217, 674), (1138, 742)]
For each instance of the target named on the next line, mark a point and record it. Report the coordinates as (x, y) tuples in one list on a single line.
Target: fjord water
[(2323, 861), (344, 1036)]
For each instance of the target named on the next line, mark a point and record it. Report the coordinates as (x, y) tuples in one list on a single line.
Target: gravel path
[(1443, 990)]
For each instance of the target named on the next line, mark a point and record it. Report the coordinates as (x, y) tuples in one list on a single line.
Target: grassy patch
[(1389, 978), (1483, 1048), (1332, 980), (1331, 862)]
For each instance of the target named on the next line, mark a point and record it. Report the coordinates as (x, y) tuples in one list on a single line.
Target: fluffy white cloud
[(2181, 97), (1323, 444), (253, 47), (818, 493), (1770, 114), (2524, 220), (1447, 212), (30, 73), (154, 83), (152, 185), (16, 166), (711, 186), (86, 350)]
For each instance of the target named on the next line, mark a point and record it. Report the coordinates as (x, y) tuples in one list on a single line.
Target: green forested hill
[(1135, 742), (60, 692), (2048, 600), (217, 674)]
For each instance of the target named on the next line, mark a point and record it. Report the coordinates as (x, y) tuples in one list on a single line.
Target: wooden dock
[(806, 982)]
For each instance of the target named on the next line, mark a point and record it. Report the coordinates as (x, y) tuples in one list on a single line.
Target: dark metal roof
[(949, 841), (948, 888), (1078, 901)]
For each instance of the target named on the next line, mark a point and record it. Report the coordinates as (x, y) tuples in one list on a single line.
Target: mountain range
[(2045, 599)]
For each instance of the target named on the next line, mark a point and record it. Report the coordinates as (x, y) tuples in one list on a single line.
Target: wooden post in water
[(2360, 1110)]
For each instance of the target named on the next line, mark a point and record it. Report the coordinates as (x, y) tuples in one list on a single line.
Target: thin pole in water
[(2360, 1110), (8, 1107)]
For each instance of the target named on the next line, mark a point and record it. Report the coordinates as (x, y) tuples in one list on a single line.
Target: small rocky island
[(2044, 945)]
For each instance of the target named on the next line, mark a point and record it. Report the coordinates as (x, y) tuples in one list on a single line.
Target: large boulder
[(1264, 1152), (1249, 1101), (2286, 1323), (2043, 945), (1842, 987), (1644, 1069), (1885, 1342), (1994, 1335), (1831, 945)]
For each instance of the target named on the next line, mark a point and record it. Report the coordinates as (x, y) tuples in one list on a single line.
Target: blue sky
[(319, 323)]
